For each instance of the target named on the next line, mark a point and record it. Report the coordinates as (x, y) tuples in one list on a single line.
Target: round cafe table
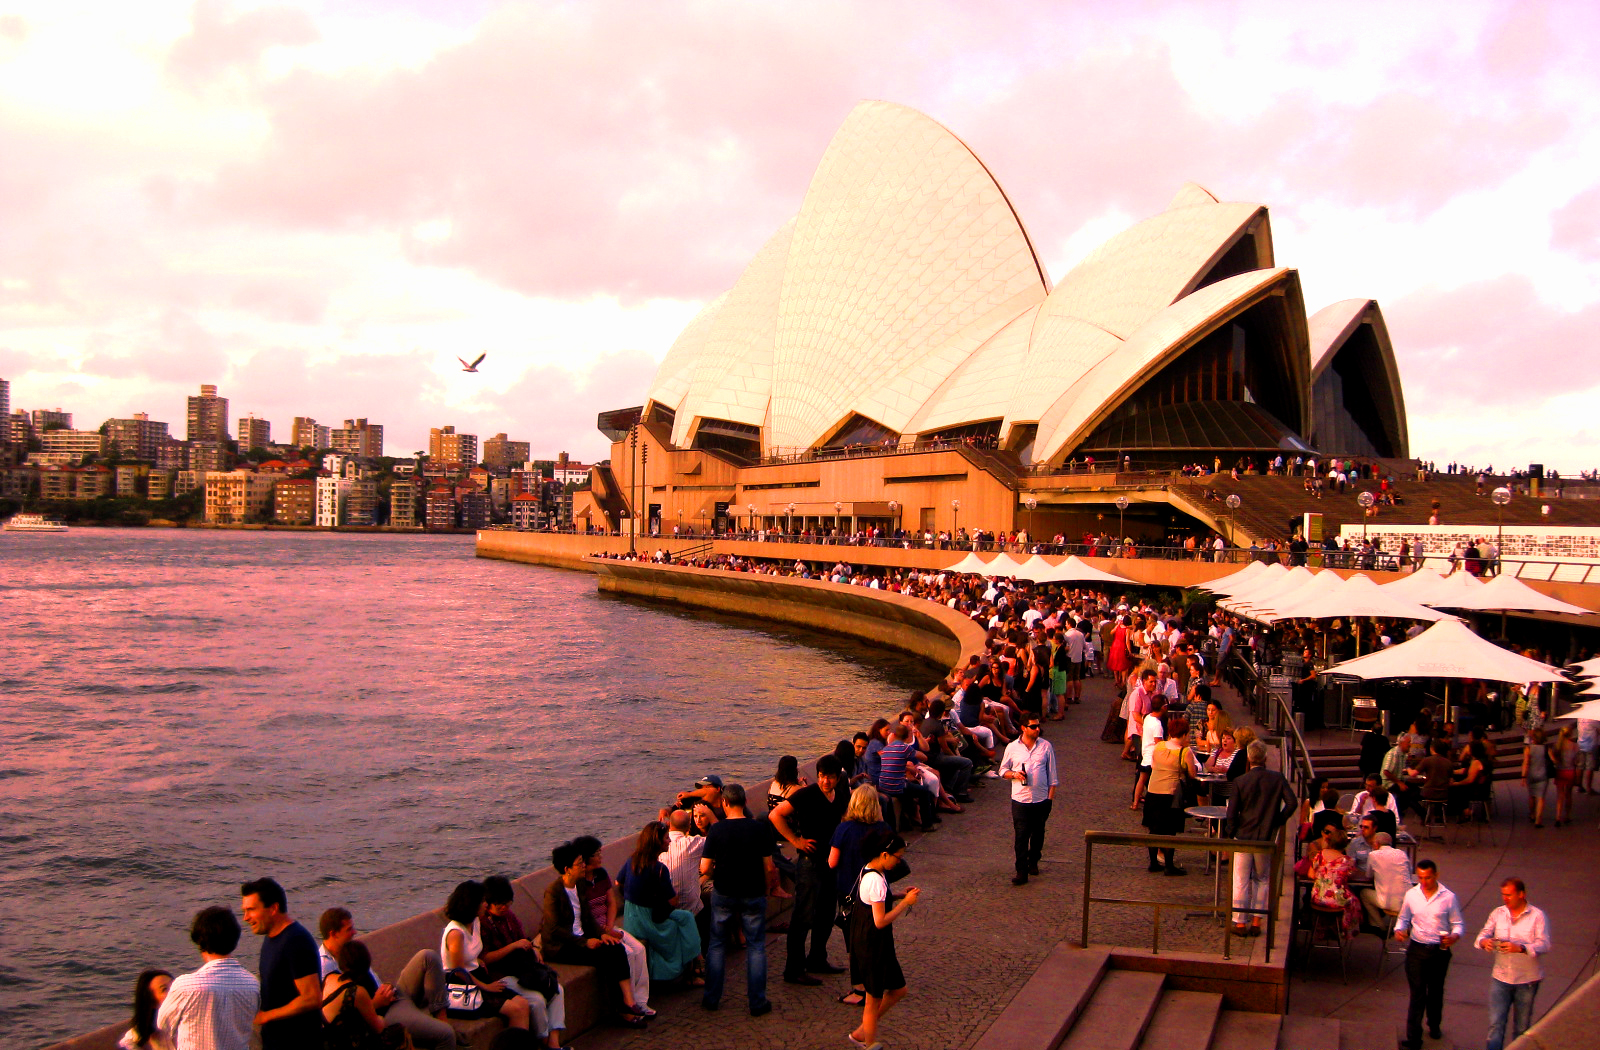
[(1213, 816)]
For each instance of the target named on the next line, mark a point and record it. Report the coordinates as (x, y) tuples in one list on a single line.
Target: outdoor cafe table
[(1213, 816)]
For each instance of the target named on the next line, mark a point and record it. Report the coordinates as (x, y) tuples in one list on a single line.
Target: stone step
[(1303, 1032), (1118, 1012), (1050, 1002), (1246, 1030), (1368, 1035), (1183, 1021)]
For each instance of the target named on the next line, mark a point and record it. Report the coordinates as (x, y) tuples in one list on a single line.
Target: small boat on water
[(33, 523)]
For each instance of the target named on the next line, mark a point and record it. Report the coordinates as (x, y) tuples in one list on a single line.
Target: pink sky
[(319, 206)]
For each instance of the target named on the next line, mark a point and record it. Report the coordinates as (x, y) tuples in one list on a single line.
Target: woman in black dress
[(872, 954)]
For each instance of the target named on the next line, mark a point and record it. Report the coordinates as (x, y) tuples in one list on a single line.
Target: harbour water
[(369, 719)]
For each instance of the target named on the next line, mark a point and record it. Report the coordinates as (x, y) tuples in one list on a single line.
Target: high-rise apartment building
[(136, 438), (441, 512), (332, 495), (75, 442), (21, 427), (254, 433), (476, 508), (304, 432), (208, 416), (358, 438), (294, 501), (501, 454), (172, 454), (361, 503), (159, 483), (446, 446), (208, 455), (5, 411), (403, 504), (131, 479), (50, 417), (237, 497)]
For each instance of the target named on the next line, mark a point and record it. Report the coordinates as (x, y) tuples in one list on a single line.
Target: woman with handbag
[(863, 819), (350, 1021), (872, 951), (511, 957), (470, 990), (1172, 766), (650, 910)]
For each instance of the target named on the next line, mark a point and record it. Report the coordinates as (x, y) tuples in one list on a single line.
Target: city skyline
[(299, 200)]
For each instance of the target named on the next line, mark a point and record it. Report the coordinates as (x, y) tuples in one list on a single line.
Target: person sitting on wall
[(569, 933), (414, 1002)]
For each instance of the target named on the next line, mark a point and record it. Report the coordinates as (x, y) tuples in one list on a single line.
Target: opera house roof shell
[(905, 301)]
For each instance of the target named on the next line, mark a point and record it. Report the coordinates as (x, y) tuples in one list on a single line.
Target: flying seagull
[(474, 366)]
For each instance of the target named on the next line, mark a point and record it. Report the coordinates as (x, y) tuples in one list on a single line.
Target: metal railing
[(1273, 849), (1265, 701)]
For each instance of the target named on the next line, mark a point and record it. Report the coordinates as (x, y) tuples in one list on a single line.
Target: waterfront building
[(172, 454), (57, 482), (361, 502), (526, 478), (526, 512), (306, 433), (208, 416), (441, 508), (138, 438), (569, 471), (159, 484), (78, 443), (403, 504), (131, 479), (895, 356), (500, 453), (254, 433), (479, 478), (332, 495), (19, 482), (500, 495), (294, 501), (446, 446), (5, 412), (189, 480), (21, 428), (477, 511), (358, 438), (238, 497), (92, 482)]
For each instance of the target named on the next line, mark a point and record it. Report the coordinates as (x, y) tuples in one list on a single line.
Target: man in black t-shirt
[(291, 973), (738, 857), (807, 819)]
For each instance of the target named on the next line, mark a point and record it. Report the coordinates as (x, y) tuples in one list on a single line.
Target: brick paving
[(974, 939)]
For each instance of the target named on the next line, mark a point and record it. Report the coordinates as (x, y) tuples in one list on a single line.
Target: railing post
[(1088, 868)]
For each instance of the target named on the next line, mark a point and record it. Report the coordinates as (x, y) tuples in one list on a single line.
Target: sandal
[(854, 997)]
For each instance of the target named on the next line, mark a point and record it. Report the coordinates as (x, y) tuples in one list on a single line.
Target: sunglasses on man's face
[(1031, 725)]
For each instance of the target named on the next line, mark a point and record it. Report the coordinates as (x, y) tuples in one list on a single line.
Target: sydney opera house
[(896, 355)]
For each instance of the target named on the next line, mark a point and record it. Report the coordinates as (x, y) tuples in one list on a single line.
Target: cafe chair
[(1363, 715), (1477, 815), (1327, 932), (1390, 945), (1433, 816)]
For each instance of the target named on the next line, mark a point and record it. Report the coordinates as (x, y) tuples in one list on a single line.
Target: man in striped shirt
[(213, 1008), (892, 779)]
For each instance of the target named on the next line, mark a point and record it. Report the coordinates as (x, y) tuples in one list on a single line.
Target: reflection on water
[(370, 719)]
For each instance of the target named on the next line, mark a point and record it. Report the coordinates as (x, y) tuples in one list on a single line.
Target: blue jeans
[(752, 914), (1502, 997)]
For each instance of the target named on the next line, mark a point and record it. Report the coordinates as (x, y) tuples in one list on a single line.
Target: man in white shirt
[(1030, 764), (1367, 799), (1430, 922), (1077, 645), (1152, 733), (1516, 935), (213, 1008), (1390, 869)]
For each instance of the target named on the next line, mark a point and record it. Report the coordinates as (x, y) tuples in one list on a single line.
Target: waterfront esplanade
[(895, 355)]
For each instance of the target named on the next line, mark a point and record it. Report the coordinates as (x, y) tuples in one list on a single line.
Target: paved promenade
[(974, 939)]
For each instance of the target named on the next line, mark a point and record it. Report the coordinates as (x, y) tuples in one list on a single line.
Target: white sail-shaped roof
[(677, 368), (905, 250)]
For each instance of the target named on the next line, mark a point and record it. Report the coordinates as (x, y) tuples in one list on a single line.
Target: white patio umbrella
[(1234, 580), (1455, 591), (1010, 565), (1075, 570), (1448, 650), (1262, 596), (1417, 585), (971, 564), (1587, 709), (1320, 584), (1358, 596), (1588, 668), (1507, 593)]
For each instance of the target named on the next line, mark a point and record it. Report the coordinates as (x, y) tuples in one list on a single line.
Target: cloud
[(221, 41), (1575, 227)]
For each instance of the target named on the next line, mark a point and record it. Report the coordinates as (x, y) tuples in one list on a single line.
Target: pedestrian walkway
[(974, 940)]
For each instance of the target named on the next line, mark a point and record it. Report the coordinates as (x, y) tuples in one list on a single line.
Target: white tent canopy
[(1262, 596), (1320, 584), (1448, 649), (1455, 591), (1358, 596), (1236, 579), (971, 564), (1011, 565), (1588, 668), (1418, 586), (1074, 570), (1587, 709), (1509, 594)]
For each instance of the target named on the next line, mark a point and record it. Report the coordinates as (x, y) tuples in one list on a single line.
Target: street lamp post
[(633, 462), (837, 508), (1122, 505), (1365, 500), (894, 515), (788, 521), (955, 521), (1234, 502), (1501, 496), (1032, 503), (751, 507)]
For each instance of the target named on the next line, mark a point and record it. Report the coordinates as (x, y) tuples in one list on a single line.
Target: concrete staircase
[(1077, 1001)]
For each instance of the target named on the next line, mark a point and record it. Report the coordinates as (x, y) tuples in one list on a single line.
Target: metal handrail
[(1261, 694), (1273, 849)]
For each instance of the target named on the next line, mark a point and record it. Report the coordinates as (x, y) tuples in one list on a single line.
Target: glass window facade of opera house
[(895, 355)]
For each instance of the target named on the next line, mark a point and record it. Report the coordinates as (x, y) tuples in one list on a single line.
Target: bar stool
[(1478, 816), (1390, 945), (1363, 715), (1328, 924), (1433, 816)]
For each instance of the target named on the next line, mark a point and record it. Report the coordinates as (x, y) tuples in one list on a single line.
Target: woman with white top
[(872, 951), (461, 946)]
